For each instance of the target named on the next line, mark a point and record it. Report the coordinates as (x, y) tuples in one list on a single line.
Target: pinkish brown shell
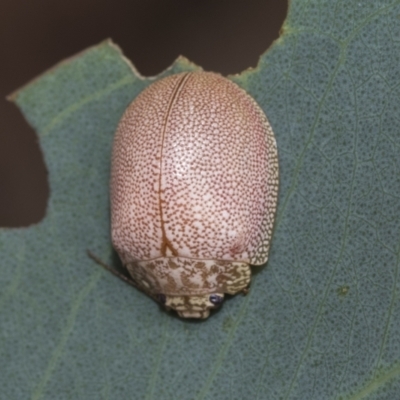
[(194, 187)]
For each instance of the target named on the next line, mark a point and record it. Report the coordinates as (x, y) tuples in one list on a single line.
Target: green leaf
[(322, 320)]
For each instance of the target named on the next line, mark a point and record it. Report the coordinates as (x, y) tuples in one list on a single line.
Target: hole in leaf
[(23, 176), (225, 36)]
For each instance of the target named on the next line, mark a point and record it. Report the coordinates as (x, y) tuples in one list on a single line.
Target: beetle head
[(194, 306)]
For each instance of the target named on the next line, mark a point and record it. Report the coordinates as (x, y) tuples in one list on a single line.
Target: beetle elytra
[(194, 184)]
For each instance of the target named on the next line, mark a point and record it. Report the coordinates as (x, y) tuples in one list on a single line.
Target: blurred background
[(225, 36)]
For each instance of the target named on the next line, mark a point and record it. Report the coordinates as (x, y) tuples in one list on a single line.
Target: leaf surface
[(322, 320)]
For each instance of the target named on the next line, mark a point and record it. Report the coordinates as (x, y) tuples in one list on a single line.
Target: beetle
[(194, 185)]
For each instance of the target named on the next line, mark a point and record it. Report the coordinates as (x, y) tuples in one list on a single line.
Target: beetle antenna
[(112, 270)]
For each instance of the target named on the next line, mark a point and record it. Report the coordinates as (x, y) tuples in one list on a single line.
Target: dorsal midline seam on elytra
[(165, 242)]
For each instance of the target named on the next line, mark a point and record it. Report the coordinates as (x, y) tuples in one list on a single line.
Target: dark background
[(225, 36)]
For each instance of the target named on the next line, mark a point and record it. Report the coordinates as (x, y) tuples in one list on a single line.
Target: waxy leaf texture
[(322, 319)]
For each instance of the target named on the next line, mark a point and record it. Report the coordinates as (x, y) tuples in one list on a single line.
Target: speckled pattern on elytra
[(193, 189)]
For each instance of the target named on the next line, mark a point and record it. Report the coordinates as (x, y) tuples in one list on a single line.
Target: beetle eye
[(216, 300), (161, 298)]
